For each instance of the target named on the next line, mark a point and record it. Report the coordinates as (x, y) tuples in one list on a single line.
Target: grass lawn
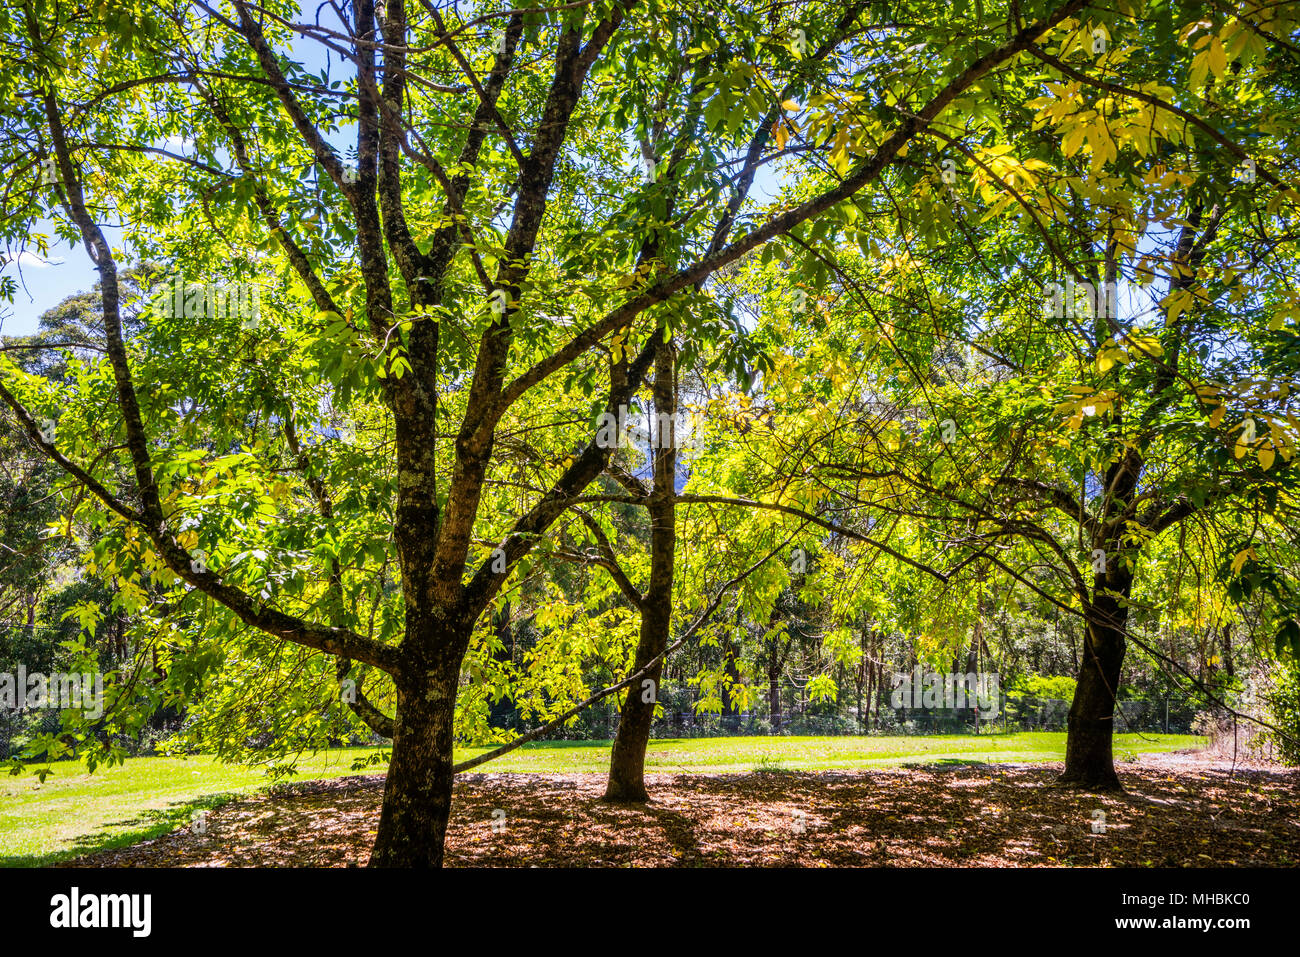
[(720, 755), (75, 812)]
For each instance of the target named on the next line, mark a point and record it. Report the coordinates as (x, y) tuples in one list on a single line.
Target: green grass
[(719, 755), (75, 812)]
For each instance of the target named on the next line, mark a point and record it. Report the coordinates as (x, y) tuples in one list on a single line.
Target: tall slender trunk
[(878, 688), (1225, 649), (972, 666), (729, 669), (627, 757), (774, 691), (729, 705), (774, 672), (861, 679)]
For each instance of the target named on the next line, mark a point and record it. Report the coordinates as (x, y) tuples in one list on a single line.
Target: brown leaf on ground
[(1178, 811)]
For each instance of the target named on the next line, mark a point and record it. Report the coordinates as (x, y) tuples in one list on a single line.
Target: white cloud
[(33, 261)]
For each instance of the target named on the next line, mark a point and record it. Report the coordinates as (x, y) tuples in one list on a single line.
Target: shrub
[(1284, 703), (1043, 686)]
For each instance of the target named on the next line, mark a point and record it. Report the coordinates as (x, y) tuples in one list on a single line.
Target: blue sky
[(42, 285)]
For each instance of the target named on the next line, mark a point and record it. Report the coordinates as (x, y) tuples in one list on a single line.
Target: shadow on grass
[(145, 826), (603, 744)]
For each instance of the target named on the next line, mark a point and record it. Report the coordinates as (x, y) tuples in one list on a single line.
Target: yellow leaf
[(1216, 417), (1176, 303), (1073, 140), (1240, 560), (1217, 58), (1266, 456), (1148, 344), (1240, 449), (1196, 79)]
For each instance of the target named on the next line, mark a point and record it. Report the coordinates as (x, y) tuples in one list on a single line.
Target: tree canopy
[(914, 310)]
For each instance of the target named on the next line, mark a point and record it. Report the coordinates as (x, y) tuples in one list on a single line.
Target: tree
[(997, 418), (322, 462)]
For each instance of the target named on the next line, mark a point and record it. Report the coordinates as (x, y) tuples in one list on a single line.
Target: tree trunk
[(972, 667), (774, 671), (1225, 649), (1089, 761), (774, 689), (417, 792), (861, 679), (879, 684), (627, 757), (729, 705)]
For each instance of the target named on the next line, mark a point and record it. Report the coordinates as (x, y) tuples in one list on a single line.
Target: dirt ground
[(1180, 810)]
